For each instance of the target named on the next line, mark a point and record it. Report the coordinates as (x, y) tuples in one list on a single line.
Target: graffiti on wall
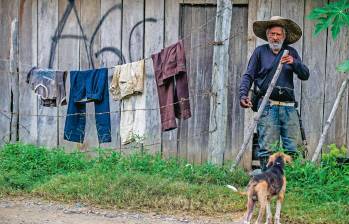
[(88, 42)]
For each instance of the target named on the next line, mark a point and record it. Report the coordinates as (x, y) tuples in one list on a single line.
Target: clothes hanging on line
[(128, 79), (172, 85), (127, 87), (49, 85), (88, 86)]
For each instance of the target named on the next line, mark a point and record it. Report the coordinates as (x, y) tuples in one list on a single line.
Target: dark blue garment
[(278, 122), (261, 61), (88, 86)]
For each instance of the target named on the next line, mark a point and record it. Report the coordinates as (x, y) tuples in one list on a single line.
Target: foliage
[(24, 166), (344, 67), (334, 15), (333, 153), (315, 194)]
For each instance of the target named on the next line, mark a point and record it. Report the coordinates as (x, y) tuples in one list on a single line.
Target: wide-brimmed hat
[(293, 31)]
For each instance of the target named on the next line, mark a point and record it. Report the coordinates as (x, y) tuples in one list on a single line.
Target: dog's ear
[(271, 160), (287, 159)]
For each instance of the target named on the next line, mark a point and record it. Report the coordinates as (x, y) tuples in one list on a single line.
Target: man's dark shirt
[(261, 61)]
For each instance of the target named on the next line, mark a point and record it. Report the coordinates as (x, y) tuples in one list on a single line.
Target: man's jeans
[(278, 122), (88, 86)]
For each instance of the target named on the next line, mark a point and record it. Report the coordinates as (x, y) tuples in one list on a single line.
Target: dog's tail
[(231, 187)]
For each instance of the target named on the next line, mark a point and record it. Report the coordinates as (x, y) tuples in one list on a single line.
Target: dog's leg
[(250, 206), (277, 212), (279, 201), (262, 198), (269, 215)]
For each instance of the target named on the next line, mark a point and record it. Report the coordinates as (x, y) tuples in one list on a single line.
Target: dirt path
[(35, 211)]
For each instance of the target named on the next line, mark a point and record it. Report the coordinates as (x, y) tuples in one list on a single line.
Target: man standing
[(279, 118)]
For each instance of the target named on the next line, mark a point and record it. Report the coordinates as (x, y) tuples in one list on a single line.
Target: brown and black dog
[(262, 187)]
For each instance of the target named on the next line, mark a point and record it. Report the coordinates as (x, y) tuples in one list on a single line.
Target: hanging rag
[(49, 85), (127, 87), (128, 79), (88, 86), (172, 85)]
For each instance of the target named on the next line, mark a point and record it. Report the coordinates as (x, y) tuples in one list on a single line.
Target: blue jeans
[(278, 122), (88, 86)]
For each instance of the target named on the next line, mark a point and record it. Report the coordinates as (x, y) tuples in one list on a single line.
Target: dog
[(262, 187)]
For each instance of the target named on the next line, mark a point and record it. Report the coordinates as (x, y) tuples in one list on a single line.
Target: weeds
[(315, 194)]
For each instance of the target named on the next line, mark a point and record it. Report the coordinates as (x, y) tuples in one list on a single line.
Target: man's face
[(276, 37)]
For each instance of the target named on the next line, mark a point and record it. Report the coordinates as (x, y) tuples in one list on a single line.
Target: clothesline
[(210, 43), (142, 145), (205, 93)]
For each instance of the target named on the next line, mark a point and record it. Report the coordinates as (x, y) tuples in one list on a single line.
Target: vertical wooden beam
[(68, 59), (14, 80), (172, 19), (154, 42), (314, 57), (218, 102), (185, 32), (237, 67), (197, 124), (90, 16), (28, 39), (8, 11), (253, 9), (205, 85), (47, 126), (133, 50), (111, 34)]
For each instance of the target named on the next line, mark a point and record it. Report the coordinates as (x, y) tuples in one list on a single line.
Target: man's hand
[(246, 102), (288, 59)]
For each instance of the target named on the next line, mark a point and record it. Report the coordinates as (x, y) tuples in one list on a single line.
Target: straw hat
[(293, 31)]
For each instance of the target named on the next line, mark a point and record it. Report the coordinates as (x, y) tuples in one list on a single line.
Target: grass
[(144, 182)]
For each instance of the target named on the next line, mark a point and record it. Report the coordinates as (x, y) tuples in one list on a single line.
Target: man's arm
[(300, 69), (247, 80)]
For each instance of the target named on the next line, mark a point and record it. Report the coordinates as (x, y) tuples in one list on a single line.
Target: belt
[(280, 103)]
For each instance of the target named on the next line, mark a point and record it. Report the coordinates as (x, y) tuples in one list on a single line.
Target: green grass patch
[(315, 194)]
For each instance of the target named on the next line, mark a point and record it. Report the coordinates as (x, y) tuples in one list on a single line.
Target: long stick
[(329, 120), (259, 113)]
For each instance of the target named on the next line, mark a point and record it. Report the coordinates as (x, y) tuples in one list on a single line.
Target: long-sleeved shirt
[(261, 61)]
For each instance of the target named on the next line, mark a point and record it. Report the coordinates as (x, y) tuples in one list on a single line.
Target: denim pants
[(278, 122), (88, 86)]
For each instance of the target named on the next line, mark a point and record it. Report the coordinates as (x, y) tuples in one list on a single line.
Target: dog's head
[(280, 159)]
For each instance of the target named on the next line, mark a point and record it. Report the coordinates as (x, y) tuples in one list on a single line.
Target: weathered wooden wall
[(80, 34)]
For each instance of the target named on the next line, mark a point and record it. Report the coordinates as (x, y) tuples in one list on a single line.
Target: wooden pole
[(14, 79), (329, 120), (218, 102), (259, 113)]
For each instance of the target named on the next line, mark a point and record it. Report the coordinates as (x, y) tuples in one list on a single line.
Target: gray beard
[(275, 46)]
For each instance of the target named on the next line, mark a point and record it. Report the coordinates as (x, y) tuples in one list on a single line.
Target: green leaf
[(344, 67), (336, 27)]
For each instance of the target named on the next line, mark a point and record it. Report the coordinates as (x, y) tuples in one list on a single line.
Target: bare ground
[(36, 211)]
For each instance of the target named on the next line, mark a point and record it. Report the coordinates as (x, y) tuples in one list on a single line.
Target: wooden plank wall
[(133, 30), (7, 14), (28, 17)]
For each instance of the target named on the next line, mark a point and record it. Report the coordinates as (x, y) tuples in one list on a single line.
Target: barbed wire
[(205, 93)]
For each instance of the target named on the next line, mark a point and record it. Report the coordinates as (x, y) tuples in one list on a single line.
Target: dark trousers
[(88, 86)]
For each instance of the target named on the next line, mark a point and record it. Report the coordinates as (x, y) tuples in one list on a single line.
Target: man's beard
[(276, 46)]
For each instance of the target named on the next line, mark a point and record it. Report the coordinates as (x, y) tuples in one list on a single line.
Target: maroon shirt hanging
[(172, 84)]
